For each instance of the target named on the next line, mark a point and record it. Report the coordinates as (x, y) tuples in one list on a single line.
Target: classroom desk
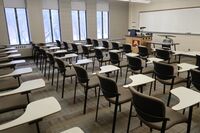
[(60, 52), (34, 112), (11, 63), (7, 49), (139, 79), (132, 55), (100, 48), (163, 43), (68, 56), (187, 98), (115, 51), (110, 68), (186, 67), (53, 48), (9, 52), (73, 130), (25, 88), (186, 53), (153, 59), (18, 72), (13, 56)]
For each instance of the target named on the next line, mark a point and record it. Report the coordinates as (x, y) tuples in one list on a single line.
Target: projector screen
[(185, 21)]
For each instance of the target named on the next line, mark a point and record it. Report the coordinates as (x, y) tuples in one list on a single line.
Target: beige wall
[(118, 19), (3, 30), (186, 41), (35, 18)]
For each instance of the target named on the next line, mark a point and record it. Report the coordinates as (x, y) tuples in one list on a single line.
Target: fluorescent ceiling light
[(137, 1)]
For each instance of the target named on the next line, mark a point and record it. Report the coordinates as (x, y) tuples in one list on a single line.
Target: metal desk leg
[(189, 119), (117, 76)]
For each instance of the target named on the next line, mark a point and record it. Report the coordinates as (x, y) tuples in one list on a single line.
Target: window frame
[(51, 25), (102, 26), (79, 25), (17, 24)]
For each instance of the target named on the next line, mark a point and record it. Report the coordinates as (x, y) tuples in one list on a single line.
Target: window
[(17, 25), (51, 25), (79, 25), (102, 25)]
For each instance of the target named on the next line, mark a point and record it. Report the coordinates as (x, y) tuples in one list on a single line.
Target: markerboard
[(184, 20)]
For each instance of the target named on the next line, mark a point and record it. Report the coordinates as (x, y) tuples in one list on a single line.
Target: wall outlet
[(189, 49)]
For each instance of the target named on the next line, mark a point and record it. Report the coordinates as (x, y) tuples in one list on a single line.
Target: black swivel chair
[(143, 52), (58, 43), (198, 61), (105, 45), (86, 82), (66, 46), (152, 112), (76, 50), (116, 46), (88, 41), (112, 94), (195, 78)]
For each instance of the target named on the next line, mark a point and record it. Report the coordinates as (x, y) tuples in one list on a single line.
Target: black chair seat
[(93, 82), (125, 96), (176, 80), (174, 118), (104, 60), (8, 84)]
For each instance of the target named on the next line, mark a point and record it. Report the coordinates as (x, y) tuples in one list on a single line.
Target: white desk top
[(152, 59), (14, 62), (73, 130), (139, 79), (34, 111), (162, 43), (54, 48), (6, 49), (68, 56), (187, 97), (108, 68), (115, 51), (60, 51), (18, 72), (48, 45), (83, 61), (99, 47), (186, 53), (14, 55), (25, 87), (186, 67), (10, 52), (88, 45), (132, 54), (78, 43)]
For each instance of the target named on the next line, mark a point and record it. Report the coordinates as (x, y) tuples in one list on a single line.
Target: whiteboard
[(171, 21)]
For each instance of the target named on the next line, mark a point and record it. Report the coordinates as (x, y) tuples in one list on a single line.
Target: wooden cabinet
[(139, 40)]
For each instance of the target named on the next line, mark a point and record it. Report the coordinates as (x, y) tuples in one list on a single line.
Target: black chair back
[(51, 58), (163, 71), (105, 44), (114, 58), (127, 48), (98, 54), (115, 45), (195, 74), (134, 63), (85, 50), (66, 45), (61, 65), (88, 41), (108, 87), (95, 43), (81, 74), (198, 61), (58, 43), (163, 54), (143, 51), (74, 47), (149, 109)]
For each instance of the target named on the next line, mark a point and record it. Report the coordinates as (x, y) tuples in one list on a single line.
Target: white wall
[(186, 41)]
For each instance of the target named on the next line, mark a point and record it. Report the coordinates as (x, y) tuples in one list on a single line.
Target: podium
[(138, 40)]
